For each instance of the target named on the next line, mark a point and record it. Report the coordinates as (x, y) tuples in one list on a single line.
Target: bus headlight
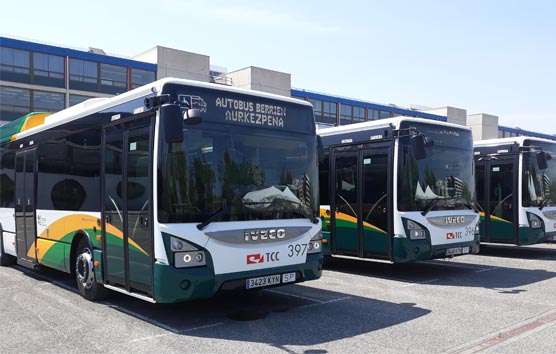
[(189, 259), (416, 232), (315, 245), (534, 221), (477, 227), (186, 255)]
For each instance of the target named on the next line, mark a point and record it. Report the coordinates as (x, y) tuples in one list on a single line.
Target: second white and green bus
[(398, 190)]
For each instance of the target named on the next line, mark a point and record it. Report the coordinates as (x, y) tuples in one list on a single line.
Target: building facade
[(42, 78), (36, 77)]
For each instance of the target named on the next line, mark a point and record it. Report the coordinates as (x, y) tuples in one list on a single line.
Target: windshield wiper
[(430, 206), (543, 203), (225, 209), (473, 205), (301, 212)]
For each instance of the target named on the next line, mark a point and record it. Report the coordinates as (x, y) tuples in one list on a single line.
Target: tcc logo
[(255, 258), (260, 258), (450, 236)]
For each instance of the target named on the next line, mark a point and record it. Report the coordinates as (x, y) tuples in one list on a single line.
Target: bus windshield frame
[(251, 158), (440, 181), (538, 186)]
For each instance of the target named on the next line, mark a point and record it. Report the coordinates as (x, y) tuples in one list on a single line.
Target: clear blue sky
[(496, 57)]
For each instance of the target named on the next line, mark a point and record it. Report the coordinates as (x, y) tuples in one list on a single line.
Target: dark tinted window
[(324, 186), (68, 195), (14, 65), (141, 77), (48, 101), (48, 70), (83, 75), (113, 79), (14, 102)]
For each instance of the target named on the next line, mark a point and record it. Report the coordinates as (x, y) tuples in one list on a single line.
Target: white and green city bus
[(516, 189), (170, 192), (398, 190)]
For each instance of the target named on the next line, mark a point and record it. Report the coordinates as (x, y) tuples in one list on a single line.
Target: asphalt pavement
[(502, 300)]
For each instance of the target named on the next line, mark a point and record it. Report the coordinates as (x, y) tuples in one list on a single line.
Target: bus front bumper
[(406, 250), (177, 285)]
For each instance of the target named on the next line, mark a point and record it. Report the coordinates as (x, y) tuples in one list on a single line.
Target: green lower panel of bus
[(375, 240), (529, 236), (502, 231), (176, 285), (406, 250)]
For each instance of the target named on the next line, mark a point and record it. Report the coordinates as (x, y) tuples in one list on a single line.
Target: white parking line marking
[(326, 302), (292, 295), (486, 270), (202, 327), (143, 318), (421, 282)]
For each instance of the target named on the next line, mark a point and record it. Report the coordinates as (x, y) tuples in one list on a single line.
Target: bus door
[(25, 206), (127, 215), (497, 196), (359, 225)]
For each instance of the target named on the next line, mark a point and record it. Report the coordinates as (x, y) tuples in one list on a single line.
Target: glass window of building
[(75, 99), (317, 109), (113, 79), (373, 114), (317, 105), (141, 77), (14, 65), (358, 114), (48, 70), (385, 114), (83, 75), (345, 114), (329, 112), (47, 101), (14, 103)]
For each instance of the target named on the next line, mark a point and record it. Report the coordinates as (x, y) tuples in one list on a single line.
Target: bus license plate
[(262, 281), (457, 250), (269, 280)]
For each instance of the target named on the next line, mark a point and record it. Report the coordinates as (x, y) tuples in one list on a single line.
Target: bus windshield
[(443, 180), (539, 186), (233, 173)]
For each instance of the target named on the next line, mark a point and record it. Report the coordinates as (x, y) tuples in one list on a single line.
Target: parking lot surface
[(502, 300)]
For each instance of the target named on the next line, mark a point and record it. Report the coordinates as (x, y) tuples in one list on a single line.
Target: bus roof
[(36, 122), (383, 123), (506, 141)]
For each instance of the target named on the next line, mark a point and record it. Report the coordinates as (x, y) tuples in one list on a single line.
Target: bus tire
[(84, 273)]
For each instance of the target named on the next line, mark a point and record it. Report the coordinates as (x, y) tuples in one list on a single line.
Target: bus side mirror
[(542, 159), (172, 122), (418, 144)]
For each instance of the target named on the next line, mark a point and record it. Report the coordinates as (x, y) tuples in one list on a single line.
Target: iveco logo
[(263, 234), (449, 220)]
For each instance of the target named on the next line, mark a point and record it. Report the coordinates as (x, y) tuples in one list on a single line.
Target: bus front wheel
[(85, 274)]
